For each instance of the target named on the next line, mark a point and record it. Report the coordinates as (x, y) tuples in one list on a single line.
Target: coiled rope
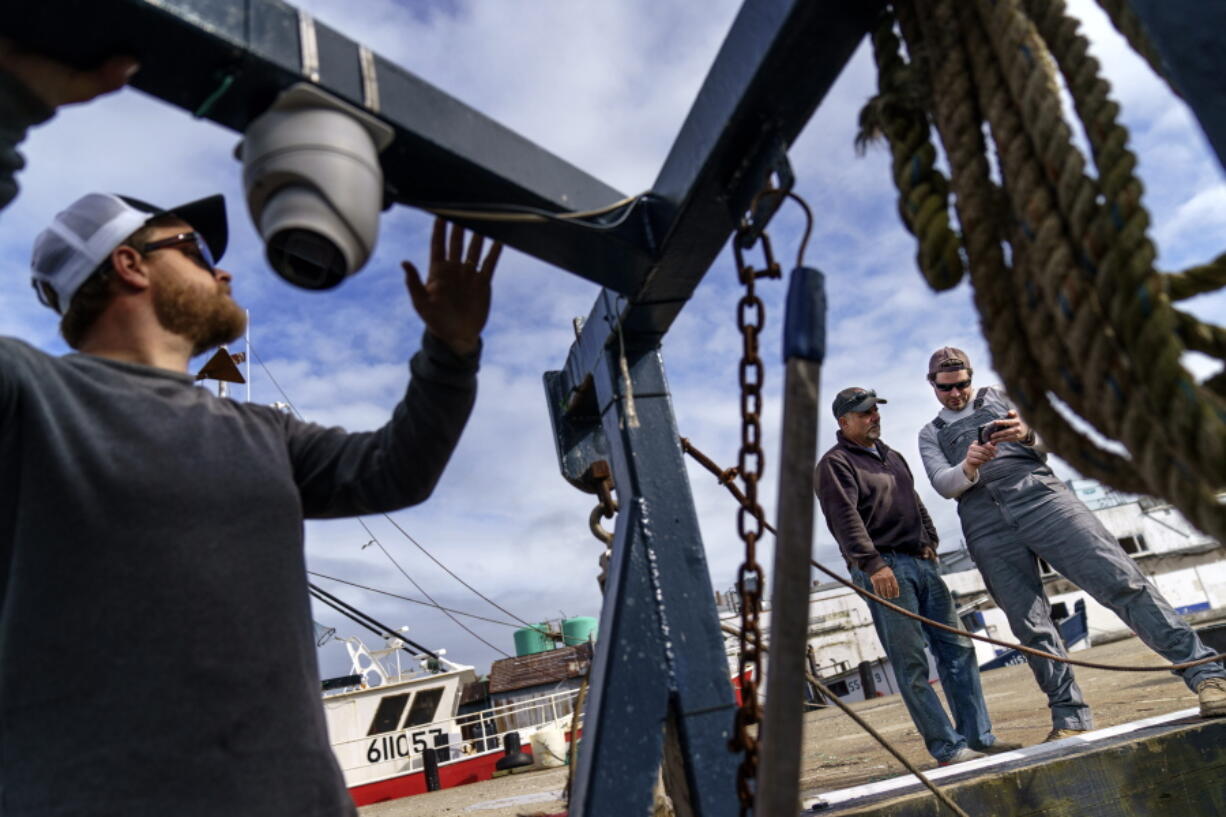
[(1076, 316)]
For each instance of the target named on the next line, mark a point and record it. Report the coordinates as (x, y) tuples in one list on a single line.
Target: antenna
[(247, 353)]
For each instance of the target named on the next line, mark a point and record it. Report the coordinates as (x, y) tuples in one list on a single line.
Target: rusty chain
[(750, 579), (600, 476)]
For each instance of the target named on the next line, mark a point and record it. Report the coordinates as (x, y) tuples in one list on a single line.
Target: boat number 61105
[(390, 747)]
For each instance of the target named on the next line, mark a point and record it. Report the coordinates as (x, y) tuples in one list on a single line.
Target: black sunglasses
[(203, 257), (961, 384)]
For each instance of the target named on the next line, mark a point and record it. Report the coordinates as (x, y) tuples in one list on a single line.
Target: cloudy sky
[(605, 86)]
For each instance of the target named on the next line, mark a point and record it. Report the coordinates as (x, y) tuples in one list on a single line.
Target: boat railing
[(455, 739)]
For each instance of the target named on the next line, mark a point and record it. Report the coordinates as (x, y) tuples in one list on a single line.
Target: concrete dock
[(846, 758)]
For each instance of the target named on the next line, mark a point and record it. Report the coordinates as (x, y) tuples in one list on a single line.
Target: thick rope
[(863, 724), (923, 201), (945, 799), (1197, 280), (1078, 320)]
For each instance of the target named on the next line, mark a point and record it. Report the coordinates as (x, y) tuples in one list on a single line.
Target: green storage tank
[(579, 630), (531, 640)]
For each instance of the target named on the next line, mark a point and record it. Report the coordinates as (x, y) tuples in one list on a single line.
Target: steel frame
[(659, 667)]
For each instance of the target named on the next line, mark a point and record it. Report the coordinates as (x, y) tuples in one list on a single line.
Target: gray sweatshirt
[(156, 650)]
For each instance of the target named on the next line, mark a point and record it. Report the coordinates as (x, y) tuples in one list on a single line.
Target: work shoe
[(1000, 747), (1061, 734), (1212, 694), (961, 756)]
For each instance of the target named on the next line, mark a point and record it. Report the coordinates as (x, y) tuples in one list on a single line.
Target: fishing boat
[(388, 711)]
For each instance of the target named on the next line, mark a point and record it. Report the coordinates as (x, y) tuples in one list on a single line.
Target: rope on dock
[(720, 474)]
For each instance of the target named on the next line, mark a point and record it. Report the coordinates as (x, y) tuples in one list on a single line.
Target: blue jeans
[(922, 591)]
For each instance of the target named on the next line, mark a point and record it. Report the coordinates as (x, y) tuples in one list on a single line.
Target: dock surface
[(845, 757)]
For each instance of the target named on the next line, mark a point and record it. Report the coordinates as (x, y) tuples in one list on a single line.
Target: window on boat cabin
[(973, 621), (388, 713), (839, 688), (1059, 611), (1133, 544), (424, 707)]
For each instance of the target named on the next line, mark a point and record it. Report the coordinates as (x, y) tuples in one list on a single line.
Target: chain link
[(600, 477), (750, 320)]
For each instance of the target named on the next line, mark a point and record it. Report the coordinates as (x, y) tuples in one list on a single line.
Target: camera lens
[(304, 238), (314, 184), (306, 259)]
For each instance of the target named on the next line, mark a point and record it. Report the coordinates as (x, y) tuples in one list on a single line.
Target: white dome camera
[(314, 185)]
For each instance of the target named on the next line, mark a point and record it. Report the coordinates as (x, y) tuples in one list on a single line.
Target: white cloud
[(605, 86)]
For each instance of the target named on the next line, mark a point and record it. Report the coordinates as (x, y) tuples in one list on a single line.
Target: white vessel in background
[(392, 707)]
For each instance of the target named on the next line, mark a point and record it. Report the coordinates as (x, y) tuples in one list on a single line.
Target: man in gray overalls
[(1013, 509)]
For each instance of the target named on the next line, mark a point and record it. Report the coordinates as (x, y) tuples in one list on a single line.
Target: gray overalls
[(1019, 510)]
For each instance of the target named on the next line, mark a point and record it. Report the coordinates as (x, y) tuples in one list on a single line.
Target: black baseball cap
[(855, 398)]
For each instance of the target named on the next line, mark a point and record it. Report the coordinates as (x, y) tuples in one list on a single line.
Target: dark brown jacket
[(870, 504)]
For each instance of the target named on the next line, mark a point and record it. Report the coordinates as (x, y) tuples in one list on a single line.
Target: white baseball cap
[(81, 238)]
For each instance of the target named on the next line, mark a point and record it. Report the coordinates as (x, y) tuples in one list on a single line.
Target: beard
[(957, 403), (206, 318)]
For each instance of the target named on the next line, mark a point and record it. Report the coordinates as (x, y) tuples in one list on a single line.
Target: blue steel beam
[(227, 60), (777, 63), (660, 656)]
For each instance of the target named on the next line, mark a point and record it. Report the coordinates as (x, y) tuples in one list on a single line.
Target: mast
[(247, 341)]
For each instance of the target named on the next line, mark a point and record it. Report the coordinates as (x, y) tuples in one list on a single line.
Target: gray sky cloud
[(605, 86)]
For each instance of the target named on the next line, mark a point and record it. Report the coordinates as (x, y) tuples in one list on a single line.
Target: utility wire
[(474, 590), (525, 214), (268, 372), (354, 612), (422, 590), (374, 625), (410, 599), (386, 553)]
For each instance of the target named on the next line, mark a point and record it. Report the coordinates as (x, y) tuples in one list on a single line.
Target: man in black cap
[(156, 646), (1014, 511), (868, 497)]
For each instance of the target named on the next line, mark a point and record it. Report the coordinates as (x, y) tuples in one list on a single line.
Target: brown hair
[(92, 297)]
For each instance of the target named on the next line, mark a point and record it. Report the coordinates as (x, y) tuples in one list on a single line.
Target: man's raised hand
[(454, 300)]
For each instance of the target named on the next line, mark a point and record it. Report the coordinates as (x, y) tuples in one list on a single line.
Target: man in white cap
[(867, 495), (156, 645), (1014, 511)]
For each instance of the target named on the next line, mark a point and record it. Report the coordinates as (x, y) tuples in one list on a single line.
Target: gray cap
[(81, 237), (855, 398), (948, 359)]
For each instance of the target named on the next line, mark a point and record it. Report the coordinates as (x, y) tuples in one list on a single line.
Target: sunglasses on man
[(961, 384), (190, 244)]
